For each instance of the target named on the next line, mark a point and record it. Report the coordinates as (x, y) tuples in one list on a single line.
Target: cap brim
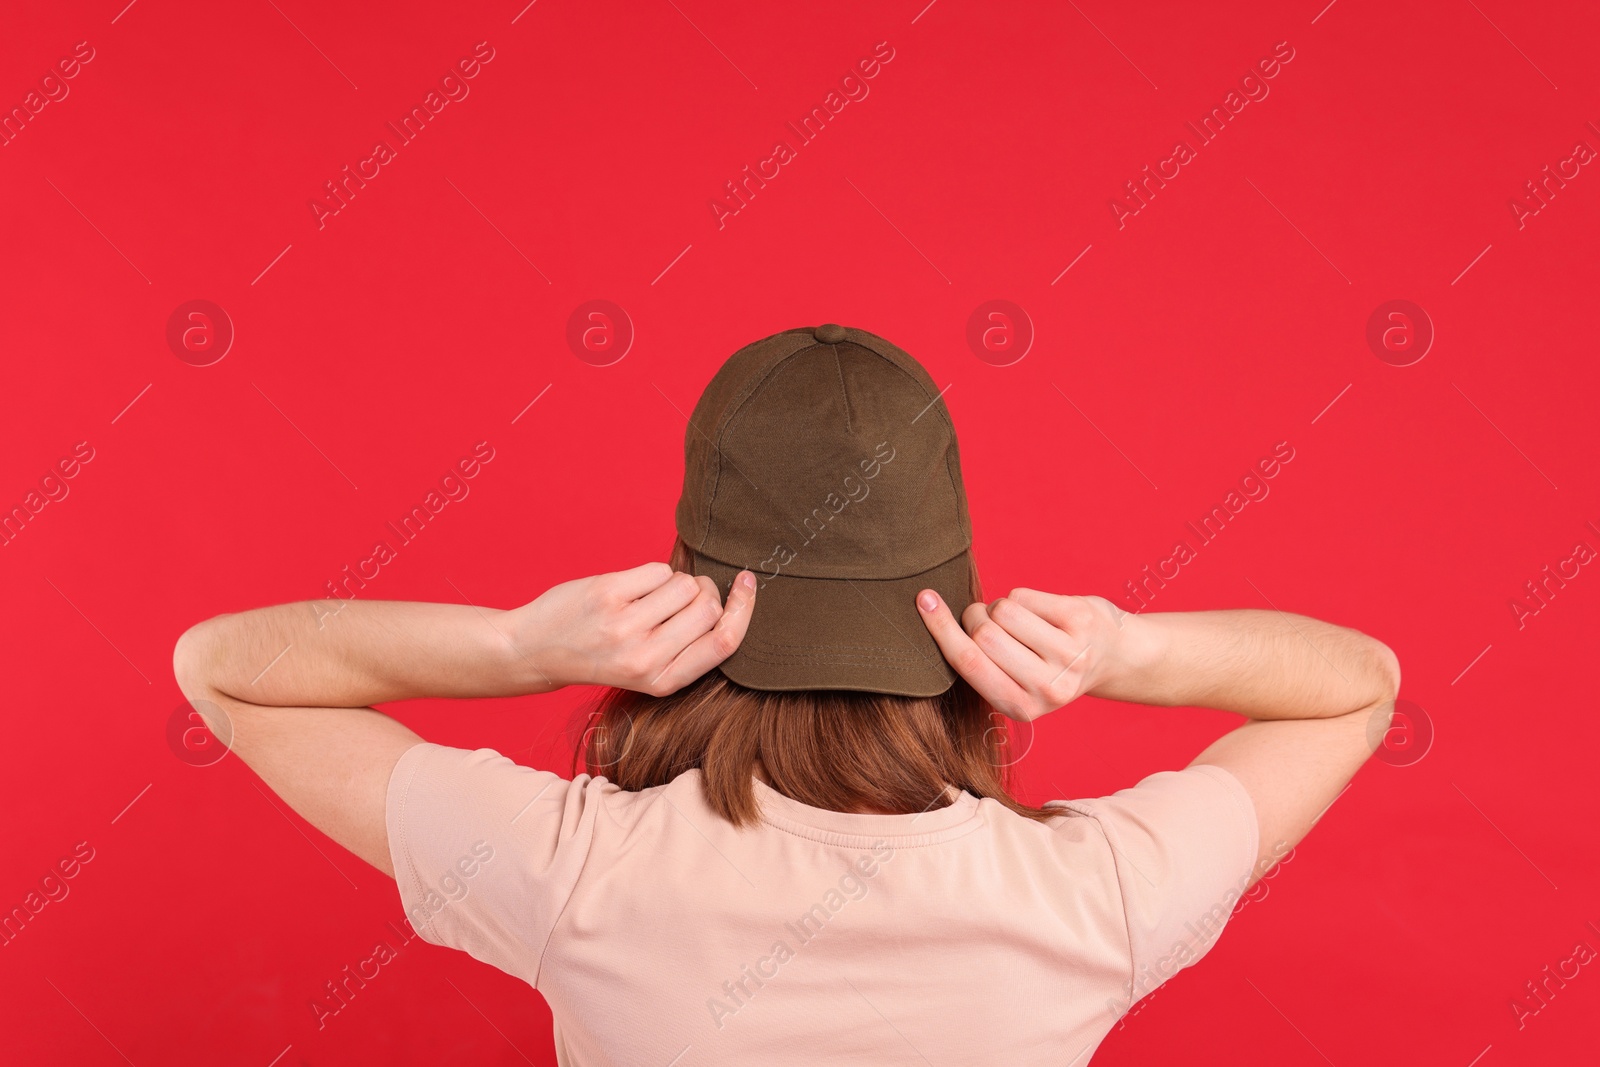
[(835, 633)]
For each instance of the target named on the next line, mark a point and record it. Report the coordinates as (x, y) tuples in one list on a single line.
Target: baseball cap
[(823, 460)]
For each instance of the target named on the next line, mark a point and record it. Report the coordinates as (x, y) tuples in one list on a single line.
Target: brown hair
[(832, 749)]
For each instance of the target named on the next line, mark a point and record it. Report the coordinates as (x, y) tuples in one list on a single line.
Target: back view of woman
[(791, 840)]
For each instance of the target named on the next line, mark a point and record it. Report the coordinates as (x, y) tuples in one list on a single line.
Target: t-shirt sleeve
[(1184, 844), (486, 852)]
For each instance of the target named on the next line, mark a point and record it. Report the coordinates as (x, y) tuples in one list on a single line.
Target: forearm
[(1260, 664), (369, 652)]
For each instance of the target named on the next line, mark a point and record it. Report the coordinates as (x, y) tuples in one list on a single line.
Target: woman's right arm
[(1260, 664), (1318, 695)]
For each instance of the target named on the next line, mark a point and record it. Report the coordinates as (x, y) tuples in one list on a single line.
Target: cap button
[(829, 334)]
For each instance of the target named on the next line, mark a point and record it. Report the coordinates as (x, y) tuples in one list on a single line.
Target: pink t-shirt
[(659, 934)]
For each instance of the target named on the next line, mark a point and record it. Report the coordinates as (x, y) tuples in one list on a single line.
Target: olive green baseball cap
[(824, 460)]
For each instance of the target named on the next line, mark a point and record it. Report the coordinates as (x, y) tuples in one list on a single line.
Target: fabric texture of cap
[(824, 460)]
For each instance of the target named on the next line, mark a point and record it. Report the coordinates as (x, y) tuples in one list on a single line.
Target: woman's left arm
[(286, 688)]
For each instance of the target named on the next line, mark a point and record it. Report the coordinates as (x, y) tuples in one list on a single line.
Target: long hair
[(832, 749)]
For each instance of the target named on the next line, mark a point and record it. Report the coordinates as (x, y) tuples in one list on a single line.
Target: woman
[(792, 841)]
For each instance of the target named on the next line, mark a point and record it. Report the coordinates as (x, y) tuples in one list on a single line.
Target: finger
[(636, 582), (1012, 656), (665, 601), (969, 661), (1065, 613), (693, 619), (1050, 643), (718, 644)]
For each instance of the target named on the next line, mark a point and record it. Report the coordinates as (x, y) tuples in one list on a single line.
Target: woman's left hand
[(1030, 653), (649, 629)]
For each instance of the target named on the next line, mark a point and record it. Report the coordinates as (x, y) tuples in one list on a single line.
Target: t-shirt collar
[(790, 814)]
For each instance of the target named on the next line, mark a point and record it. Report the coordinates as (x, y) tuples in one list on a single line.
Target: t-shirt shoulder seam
[(1122, 897), (405, 831), (1075, 807), (588, 854)]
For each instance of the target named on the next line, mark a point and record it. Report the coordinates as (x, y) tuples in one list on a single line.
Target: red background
[(1223, 318)]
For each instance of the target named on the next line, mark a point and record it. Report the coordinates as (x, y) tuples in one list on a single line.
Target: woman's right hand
[(649, 629), (1029, 653)]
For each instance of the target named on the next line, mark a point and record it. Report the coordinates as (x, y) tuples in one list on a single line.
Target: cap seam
[(844, 394), (714, 474), (965, 549), (831, 648), (952, 454), (839, 661), (739, 405), (773, 653)]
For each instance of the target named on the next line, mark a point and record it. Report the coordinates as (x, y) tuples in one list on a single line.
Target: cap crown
[(820, 460)]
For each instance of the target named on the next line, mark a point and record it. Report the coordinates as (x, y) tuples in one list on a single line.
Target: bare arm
[(284, 687), (368, 652), (285, 692), (1318, 695), (1260, 664)]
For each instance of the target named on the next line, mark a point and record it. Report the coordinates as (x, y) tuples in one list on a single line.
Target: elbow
[(1388, 672), (193, 666), (192, 658)]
